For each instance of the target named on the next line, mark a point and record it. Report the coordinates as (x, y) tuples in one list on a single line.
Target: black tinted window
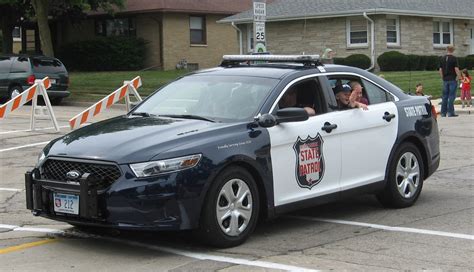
[(5, 64), (20, 65), (50, 66)]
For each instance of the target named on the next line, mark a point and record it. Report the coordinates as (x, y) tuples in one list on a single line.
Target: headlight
[(153, 168), (41, 157)]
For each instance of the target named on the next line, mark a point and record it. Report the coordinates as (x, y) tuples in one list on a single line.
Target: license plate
[(52, 80), (65, 203)]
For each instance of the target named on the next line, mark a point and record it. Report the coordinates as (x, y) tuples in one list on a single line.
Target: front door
[(305, 160)]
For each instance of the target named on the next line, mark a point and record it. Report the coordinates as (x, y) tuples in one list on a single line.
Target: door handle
[(388, 117), (328, 127)]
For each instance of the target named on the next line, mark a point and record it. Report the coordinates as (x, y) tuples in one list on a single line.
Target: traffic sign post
[(259, 17)]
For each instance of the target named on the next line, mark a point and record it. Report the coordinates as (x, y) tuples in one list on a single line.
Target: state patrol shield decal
[(309, 167)]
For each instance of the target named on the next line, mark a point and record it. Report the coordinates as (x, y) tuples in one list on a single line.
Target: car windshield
[(216, 98)]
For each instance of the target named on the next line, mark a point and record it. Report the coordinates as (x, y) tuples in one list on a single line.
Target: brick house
[(174, 29), (410, 26)]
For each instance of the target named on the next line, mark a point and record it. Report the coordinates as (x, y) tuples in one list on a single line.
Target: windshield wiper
[(188, 116), (142, 114)]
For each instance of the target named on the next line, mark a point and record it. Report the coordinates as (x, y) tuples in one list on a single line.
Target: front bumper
[(127, 204)]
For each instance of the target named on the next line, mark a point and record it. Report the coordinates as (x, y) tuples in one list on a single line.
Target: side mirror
[(291, 115), (282, 116), (266, 120)]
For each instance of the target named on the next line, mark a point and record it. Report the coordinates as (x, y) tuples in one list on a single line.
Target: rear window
[(50, 66)]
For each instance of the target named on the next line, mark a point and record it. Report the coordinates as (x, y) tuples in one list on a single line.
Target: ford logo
[(73, 175)]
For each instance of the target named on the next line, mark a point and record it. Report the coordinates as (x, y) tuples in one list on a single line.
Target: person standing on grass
[(465, 88), (449, 70)]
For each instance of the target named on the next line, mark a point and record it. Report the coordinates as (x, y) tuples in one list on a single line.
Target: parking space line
[(190, 254), (388, 228), (26, 246), (22, 146), (11, 189), (29, 130)]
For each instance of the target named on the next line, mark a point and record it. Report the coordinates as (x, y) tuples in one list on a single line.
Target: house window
[(16, 34), (197, 29), (250, 38), (357, 33), (393, 31), (115, 27), (442, 33)]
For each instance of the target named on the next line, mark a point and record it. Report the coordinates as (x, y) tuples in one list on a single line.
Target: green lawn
[(91, 86)]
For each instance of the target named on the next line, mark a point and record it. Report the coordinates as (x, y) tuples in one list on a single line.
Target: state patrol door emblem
[(309, 167)]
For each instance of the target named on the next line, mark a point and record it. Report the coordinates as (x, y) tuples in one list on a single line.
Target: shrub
[(414, 63), (1, 43), (357, 60), (423, 62), (392, 61), (104, 54), (340, 61), (469, 62), (461, 62), (432, 63)]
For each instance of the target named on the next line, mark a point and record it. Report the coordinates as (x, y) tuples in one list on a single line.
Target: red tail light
[(30, 80)]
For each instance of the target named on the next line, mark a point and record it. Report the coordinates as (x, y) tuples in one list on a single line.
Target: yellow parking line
[(27, 245)]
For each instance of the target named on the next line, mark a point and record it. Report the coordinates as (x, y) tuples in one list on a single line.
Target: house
[(175, 30), (369, 27)]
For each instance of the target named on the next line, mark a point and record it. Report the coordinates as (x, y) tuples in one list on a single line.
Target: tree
[(11, 12)]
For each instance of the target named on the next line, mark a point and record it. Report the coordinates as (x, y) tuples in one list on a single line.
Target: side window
[(304, 94), (20, 65), (5, 64), (376, 95)]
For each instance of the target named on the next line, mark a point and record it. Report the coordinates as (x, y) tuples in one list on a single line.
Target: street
[(358, 234)]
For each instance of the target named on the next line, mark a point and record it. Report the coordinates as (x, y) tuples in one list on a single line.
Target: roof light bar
[(271, 58)]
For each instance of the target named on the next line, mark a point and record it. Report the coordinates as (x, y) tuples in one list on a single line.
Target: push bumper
[(154, 206)]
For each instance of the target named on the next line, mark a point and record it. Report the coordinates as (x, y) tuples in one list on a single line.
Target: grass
[(91, 86)]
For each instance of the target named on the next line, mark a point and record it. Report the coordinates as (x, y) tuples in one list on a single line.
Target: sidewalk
[(457, 107)]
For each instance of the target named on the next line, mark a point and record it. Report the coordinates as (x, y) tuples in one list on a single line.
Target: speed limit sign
[(260, 31)]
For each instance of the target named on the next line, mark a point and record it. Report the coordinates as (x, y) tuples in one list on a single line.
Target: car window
[(48, 66), (20, 65), (220, 98), (375, 94), (5, 64), (307, 93)]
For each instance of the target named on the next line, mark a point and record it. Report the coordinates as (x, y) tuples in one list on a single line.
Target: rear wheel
[(405, 178), (231, 209)]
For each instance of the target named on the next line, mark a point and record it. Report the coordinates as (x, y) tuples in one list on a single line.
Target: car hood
[(128, 139)]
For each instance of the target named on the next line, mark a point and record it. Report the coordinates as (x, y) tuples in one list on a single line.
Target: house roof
[(281, 10), (190, 6)]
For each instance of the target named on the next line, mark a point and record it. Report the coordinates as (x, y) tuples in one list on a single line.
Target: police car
[(215, 151)]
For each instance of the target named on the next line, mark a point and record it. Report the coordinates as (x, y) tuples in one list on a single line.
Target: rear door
[(5, 63), (367, 136)]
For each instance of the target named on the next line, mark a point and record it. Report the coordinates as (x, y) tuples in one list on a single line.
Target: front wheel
[(231, 209), (15, 91), (405, 178)]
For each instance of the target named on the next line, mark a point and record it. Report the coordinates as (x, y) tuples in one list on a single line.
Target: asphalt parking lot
[(437, 233)]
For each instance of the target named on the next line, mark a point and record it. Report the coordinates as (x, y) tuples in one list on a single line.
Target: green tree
[(12, 10)]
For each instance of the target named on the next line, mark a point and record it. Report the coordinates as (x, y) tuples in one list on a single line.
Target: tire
[(56, 101), (405, 178), (14, 91), (231, 209)]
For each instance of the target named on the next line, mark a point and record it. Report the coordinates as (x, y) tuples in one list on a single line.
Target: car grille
[(103, 174)]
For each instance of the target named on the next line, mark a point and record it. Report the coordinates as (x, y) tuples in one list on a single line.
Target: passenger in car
[(345, 100), (357, 92), (290, 99)]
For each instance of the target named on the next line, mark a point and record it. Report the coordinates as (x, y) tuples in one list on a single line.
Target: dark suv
[(18, 73)]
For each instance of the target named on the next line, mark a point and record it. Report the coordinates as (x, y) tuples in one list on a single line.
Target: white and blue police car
[(218, 149)]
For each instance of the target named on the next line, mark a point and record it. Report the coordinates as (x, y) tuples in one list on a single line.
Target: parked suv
[(18, 73)]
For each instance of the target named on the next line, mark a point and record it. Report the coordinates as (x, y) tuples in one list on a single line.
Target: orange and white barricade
[(124, 91), (38, 88)]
